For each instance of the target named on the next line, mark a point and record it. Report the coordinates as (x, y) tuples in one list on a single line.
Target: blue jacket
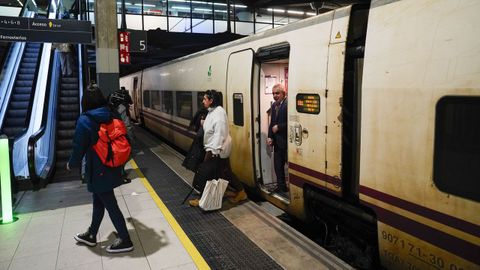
[(99, 177)]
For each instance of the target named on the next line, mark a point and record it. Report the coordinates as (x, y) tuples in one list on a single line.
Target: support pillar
[(107, 46)]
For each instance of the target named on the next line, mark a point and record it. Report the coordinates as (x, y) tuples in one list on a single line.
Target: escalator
[(17, 114), (68, 111), (91, 62)]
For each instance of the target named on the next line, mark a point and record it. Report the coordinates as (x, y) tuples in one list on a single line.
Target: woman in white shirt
[(217, 145)]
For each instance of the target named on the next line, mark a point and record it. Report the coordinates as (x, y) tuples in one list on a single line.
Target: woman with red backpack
[(101, 178)]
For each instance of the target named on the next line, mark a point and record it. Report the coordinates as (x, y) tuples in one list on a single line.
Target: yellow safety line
[(191, 249)]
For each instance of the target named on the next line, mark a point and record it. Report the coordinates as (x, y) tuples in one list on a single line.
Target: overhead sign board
[(138, 41), (44, 30)]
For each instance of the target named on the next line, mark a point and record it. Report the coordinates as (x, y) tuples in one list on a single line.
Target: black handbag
[(207, 170), (195, 155)]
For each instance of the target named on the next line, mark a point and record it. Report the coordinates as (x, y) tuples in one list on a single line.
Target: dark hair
[(93, 98), (214, 96)]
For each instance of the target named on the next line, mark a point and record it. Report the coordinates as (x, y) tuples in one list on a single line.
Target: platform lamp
[(5, 183)]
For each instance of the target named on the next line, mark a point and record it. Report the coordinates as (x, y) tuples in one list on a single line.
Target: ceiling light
[(311, 13), (295, 12), (180, 7), (203, 9), (276, 10)]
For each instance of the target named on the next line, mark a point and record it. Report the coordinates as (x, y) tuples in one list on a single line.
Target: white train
[(383, 116)]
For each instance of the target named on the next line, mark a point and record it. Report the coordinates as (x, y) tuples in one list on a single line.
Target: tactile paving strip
[(221, 244)]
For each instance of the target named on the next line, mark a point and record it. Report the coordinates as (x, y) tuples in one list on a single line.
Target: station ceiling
[(164, 46)]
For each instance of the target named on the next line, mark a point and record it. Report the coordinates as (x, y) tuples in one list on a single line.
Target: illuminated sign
[(124, 47), (45, 30), (308, 103), (5, 182)]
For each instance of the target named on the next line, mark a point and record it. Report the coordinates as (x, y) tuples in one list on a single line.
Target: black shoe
[(120, 245), (86, 238)]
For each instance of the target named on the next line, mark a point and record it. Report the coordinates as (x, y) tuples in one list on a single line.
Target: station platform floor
[(166, 234)]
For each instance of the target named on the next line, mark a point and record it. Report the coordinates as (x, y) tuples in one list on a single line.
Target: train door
[(135, 109), (238, 106), (273, 69)]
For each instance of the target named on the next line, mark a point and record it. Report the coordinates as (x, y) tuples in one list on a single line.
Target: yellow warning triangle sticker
[(338, 35)]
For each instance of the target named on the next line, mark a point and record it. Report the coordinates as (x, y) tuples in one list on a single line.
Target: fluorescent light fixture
[(276, 10), (180, 7), (149, 5), (311, 13), (223, 4), (220, 11), (203, 9), (295, 12), (179, 1)]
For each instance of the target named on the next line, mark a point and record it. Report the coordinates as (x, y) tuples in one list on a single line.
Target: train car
[(383, 111)]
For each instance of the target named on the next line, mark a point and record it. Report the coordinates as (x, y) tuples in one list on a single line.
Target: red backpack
[(112, 146)]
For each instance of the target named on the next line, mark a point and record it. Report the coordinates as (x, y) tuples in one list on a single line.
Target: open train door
[(136, 100), (239, 108)]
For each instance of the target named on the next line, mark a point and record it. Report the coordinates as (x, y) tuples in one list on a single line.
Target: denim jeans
[(106, 200)]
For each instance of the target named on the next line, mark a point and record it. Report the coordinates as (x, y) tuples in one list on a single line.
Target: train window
[(308, 103), (155, 100), (200, 99), (456, 167), (146, 98), (184, 105), (238, 109), (167, 102)]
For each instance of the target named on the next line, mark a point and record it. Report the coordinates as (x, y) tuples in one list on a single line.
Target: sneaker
[(194, 202), (86, 238), (241, 196), (120, 245)]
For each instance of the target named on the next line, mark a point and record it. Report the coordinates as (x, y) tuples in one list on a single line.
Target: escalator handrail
[(35, 137)]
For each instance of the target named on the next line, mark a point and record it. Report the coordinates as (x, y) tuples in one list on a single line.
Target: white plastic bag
[(213, 194)]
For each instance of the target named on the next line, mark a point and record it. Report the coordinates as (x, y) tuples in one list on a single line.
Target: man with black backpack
[(119, 103), (102, 140)]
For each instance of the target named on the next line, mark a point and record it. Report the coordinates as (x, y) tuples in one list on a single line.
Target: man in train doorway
[(277, 135)]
